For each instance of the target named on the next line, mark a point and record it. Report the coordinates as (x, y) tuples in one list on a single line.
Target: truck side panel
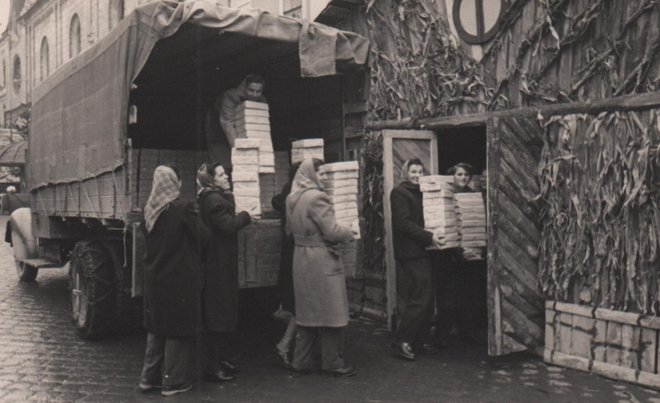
[(101, 197)]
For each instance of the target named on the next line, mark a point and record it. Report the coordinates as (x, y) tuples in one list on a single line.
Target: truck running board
[(41, 263)]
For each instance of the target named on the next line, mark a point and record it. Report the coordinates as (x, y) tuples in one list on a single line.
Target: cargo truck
[(138, 98)]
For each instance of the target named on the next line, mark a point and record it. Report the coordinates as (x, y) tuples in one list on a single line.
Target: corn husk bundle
[(600, 217), (304, 149), (439, 208), (342, 187), (471, 212), (245, 175), (254, 123)]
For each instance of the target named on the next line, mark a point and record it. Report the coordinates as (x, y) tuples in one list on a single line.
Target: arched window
[(116, 12), (17, 73), (44, 69), (74, 36)]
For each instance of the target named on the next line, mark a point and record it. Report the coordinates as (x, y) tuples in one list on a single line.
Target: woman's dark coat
[(220, 294), (410, 239), (172, 275)]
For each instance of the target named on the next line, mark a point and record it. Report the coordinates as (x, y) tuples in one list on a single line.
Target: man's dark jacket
[(409, 236)]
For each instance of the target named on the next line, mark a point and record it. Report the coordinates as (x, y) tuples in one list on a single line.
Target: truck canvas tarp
[(80, 113)]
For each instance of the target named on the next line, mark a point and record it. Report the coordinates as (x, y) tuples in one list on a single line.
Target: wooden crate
[(259, 246), (144, 161), (618, 345)]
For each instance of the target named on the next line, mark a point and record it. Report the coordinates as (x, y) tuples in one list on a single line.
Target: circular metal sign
[(477, 21)]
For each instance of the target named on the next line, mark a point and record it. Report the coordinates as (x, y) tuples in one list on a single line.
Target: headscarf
[(304, 180), (204, 180), (166, 188), (406, 166)]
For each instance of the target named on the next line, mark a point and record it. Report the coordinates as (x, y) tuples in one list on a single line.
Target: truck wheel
[(93, 291), (26, 272), (127, 308)]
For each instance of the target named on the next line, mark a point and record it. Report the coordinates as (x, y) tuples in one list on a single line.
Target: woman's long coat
[(220, 294), (318, 273), (172, 275)]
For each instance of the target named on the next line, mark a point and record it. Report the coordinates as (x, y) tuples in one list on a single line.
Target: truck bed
[(113, 195)]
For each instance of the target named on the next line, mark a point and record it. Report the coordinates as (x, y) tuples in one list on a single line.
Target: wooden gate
[(399, 146), (515, 303)]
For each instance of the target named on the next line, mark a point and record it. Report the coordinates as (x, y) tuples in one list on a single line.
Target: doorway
[(461, 273)]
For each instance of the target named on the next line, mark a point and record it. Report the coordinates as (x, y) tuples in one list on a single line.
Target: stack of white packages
[(308, 148), (342, 187), (439, 209), (472, 218), (245, 178), (254, 123)]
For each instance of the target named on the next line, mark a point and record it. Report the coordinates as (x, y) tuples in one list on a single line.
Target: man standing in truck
[(220, 125)]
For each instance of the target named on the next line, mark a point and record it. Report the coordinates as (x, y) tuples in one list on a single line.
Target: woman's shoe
[(283, 358), (175, 390), (220, 375), (145, 387), (230, 367), (344, 372), (404, 351)]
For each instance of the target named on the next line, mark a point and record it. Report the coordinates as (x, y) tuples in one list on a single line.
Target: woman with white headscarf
[(172, 286), (318, 273)]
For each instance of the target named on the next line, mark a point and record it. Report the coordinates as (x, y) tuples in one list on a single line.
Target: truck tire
[(127, 308), (93, 290), (25, 272)]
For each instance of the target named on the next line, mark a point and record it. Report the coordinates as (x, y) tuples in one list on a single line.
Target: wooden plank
[(581, 336), (518, 136), (630, 346), (648, 350), (493, 266), (501, 66), (512, 271), (550, 325), (628, 318), (621, 103), (567, 360), (513, 319), (582, 310), (613, 349), (600, 340), (517, 226), (651, 322), (625, 374), (565, 330)]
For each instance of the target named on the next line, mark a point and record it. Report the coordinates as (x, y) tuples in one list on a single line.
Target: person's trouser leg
[(177, 361), (153, 360), (303, 355), (415, 299), (332, 348), (285, 345), (218, 346), (448, 293)]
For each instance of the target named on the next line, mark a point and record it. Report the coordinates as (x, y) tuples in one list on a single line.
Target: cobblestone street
[(44, 360)]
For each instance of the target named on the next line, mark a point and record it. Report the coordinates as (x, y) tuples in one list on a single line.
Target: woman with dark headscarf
[(220, 293), (318, 273), (172, 283)]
